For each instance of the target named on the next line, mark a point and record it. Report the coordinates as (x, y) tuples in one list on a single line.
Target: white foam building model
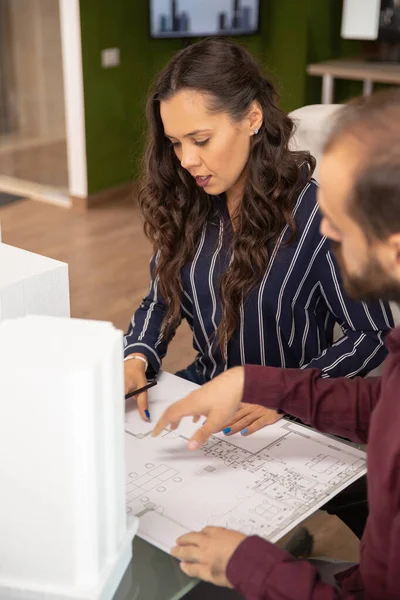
[(32, 284), (64, 532)]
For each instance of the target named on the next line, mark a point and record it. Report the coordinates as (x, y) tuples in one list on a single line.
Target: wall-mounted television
[(198, 18)]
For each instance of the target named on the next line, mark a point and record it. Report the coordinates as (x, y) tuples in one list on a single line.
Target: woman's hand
[(250, 418), (135, 378)]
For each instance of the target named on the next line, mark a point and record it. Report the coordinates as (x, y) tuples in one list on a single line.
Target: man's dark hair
[(374, 122)]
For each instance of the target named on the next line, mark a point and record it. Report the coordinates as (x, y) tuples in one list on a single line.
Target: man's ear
[(390, 252)]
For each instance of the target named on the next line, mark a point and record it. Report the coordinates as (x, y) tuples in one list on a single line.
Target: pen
[(140, 390)]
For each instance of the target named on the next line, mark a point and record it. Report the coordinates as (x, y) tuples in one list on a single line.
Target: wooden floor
[(108, 255)]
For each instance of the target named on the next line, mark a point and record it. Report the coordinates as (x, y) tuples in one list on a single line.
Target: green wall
[(292, 34)]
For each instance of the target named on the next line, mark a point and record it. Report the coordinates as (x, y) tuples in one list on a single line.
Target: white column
[(74, 97), (64, 530), (32, 284)]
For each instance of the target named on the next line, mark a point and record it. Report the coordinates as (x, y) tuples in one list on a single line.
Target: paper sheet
[(263, 484)]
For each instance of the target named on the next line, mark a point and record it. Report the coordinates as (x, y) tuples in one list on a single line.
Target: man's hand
[(250, 418), (206, 554), (218, 400)]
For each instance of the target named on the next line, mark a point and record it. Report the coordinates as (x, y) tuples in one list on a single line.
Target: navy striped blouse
[(286, 321)]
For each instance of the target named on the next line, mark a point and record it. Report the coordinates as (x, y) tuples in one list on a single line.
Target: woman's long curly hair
[(175, 209)]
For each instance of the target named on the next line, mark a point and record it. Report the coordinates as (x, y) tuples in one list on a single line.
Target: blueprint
[(263, 484)]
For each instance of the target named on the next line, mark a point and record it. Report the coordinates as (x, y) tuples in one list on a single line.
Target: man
[(360, 201)]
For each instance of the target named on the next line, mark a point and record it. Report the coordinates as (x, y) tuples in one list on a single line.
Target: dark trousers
[(350, 505)]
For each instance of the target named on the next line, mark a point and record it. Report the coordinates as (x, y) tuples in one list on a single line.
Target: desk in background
[(354, 69)]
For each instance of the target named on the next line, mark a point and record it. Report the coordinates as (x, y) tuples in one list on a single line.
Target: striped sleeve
[(364, 325), (145, 333)]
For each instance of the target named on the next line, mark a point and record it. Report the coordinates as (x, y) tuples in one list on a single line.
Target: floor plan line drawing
[(263, 484)]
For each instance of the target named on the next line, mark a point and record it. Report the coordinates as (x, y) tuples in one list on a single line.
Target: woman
[(233, 218)]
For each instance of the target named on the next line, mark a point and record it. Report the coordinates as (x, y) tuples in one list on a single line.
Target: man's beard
[(373, 284)]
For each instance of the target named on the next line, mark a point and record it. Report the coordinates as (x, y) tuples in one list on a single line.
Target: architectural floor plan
[(264, 484)]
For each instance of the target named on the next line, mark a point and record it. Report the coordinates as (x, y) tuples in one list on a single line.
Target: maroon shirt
[(363, 410)]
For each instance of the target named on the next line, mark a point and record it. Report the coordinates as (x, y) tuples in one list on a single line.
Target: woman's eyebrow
[(190, 134)]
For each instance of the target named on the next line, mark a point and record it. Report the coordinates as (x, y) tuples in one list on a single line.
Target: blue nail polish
[(226, 430), (243, 432), (146, 412)]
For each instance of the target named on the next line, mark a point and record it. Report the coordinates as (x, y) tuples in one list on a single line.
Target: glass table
[(153, 575)]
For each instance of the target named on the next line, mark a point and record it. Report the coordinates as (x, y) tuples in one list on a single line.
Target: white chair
[(313, 124)]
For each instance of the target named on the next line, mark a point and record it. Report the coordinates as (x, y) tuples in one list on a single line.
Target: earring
[(255, 131)]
